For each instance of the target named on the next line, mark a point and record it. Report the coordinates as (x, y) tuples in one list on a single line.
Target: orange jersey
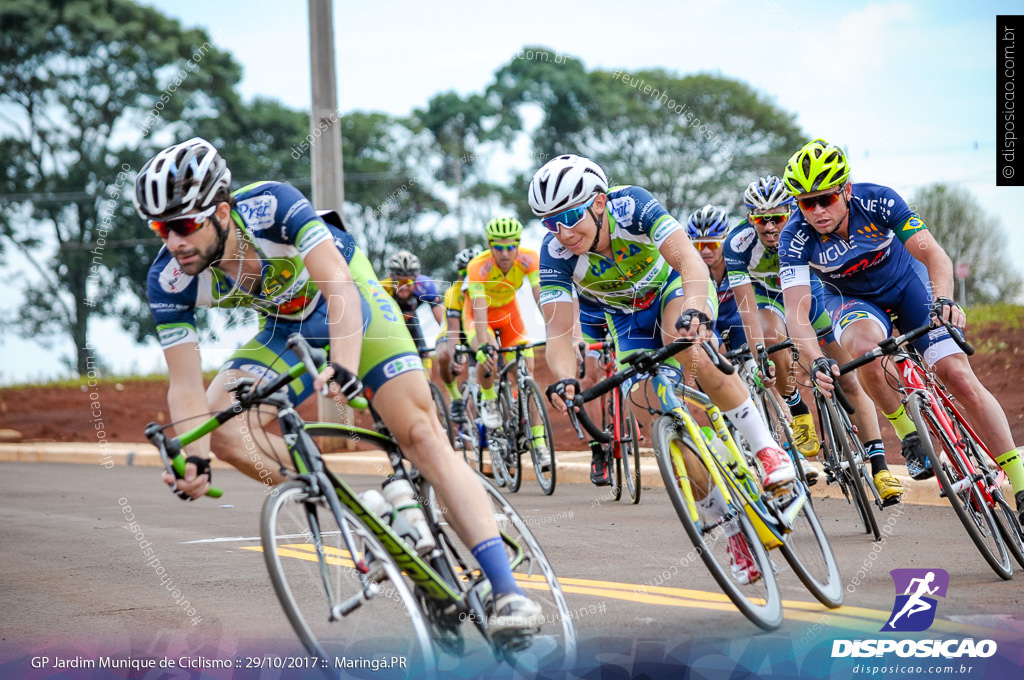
[(486, 280)]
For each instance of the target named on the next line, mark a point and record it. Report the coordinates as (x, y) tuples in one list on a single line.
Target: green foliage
[(970, 235), (1002, 315)]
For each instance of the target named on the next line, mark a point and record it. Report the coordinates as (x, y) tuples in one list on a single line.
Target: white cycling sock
[(747, 420), (712, 508)]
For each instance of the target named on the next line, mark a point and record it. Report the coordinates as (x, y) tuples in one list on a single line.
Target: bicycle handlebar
[(891, 345)]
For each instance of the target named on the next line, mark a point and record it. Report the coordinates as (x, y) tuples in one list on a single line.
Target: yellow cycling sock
[(537, 432), (453, 390), (1014, 468), (489, 393), (901, 422)]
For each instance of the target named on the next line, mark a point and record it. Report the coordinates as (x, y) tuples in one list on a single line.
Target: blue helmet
[(767, 193), (709, 222)]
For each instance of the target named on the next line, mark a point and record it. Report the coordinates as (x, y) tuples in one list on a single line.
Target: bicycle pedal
[(892, 500)]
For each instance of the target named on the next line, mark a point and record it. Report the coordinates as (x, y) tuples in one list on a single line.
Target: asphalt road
[(78, 584)]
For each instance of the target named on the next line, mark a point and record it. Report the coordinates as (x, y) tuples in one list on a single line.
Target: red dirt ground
[(66, 414)]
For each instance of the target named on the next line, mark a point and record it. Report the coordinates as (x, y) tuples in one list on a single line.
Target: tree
[(970, 235), (83, 84), (689, 140)]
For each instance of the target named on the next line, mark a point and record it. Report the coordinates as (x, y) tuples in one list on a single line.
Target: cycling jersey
[(869, 274), (455, 298), (282, 226), (729, 324), (485, 279), (637, 226), (424, 291)]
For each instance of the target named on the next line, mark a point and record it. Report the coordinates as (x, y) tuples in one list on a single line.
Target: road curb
[(573, 466)]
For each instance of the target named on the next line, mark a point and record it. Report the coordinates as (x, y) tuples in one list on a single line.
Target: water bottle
[(377, 504), (399, 493)]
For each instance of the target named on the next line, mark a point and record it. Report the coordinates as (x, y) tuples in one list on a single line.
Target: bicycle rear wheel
[(759, 600), (442, 412), (554, 648), (295, 528), (613, 462), (629, 444), (467, 435), (961, 491), (846, 446), (511, 463), (547, 476)]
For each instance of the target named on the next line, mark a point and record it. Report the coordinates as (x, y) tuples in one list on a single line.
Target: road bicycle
[(350, 582), (967, 474), (621, 443), (784, 519), (521, 404)]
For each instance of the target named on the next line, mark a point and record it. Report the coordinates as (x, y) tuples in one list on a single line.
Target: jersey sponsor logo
[(796, 245), (172, 279), (879, 206), (862, 264), (296, 207), (402, 365), (742, 240), (623, 208), (663, 230), (258, 212), (312, 237), (648, 207), (787, 275), (558, 251), (259, 370), (550, 295), (170, 336)]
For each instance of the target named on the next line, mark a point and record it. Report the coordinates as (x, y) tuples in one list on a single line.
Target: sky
[(907, 87)]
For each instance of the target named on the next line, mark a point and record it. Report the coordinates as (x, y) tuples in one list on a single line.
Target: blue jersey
[(747, 260), (424, 291), (283, 227), (871, 262), (633, 279)]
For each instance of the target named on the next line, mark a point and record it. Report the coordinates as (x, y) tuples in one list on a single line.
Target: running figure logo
[(914, 610)]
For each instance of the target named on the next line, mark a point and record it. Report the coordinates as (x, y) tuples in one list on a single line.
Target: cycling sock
[(489, 393), (713, 508), (491, 556), (796, 404), (876, 455), (747, 420), (537, 432), (1014, 468), (453, 390), (901, 422)]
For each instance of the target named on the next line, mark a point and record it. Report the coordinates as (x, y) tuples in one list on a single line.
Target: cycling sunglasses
[(504, 247), (182, 226), (710, 245), (568, 219), (759, 220), (824, 200)]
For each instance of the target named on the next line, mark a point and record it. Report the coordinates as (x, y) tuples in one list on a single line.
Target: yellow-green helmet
[(501, 228), (816, 167)]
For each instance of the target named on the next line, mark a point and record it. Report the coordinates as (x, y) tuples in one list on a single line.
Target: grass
[(107, 380), (1001, 314)]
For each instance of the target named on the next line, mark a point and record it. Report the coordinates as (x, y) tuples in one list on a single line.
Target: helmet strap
[(597, 232)]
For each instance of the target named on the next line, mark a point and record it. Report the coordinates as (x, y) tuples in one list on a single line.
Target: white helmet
[(767, 193), (563, 182), (404, 263), (180, 180)]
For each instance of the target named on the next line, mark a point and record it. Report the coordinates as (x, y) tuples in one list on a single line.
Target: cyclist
[(453, 333), (875, 257), (492, 279), (752, 258), (264, 247), (411, 289), (622, 248), (707, 228)]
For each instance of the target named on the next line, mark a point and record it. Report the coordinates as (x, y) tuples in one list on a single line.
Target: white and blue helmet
[(767, 193), (709, 222)]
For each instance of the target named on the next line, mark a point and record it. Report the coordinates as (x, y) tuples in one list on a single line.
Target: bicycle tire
[(532, 395), (467, 435), (847, 443), (630, 447), (443, 415), (810, 554), (555, 647), (778, 426), (1003, 515), (391, 620), (968, 504), (714, 554), (511, 463), (613, 462)]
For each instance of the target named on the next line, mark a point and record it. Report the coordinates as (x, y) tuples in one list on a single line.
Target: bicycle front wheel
[(629, 445), (810, 555), (537, 414), (467, 434), (959, 489), (846, 448), (754, 590), (554, 648), (511, 467), (318, 585)]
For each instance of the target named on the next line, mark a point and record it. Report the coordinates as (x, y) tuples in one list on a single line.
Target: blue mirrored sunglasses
[(568, 219), (504, 247)]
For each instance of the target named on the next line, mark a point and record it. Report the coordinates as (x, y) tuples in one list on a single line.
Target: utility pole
[(325, 152)]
